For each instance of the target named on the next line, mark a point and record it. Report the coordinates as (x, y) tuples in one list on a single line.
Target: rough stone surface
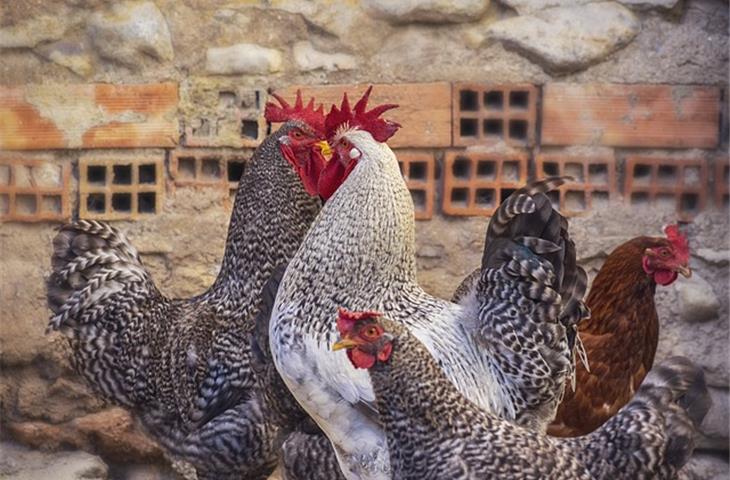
[(698, 300), (243, 58), (18, 463), (74, 55), (651, 4), (432, 11), (707, 466), (569, 38), (525, 7), (131, 32), (308, 58), (32, 31), (716, 424)]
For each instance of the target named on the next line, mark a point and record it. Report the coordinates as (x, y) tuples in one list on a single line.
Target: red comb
[(346, 319), (284, 112), (358, 117), (678, 241)]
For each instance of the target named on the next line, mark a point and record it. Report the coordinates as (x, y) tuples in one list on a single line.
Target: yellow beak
[(325, 148), (345, 343), (686, 271)]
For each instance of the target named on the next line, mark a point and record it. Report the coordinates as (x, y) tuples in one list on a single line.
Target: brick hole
[(51, 204), (519, 100), (666, 201), (250, 129), (639, 198), (468, 101), (598, 174), (511, 171), (599, 199), (47, 175), (226, 100), (460, 196), (418, 171), (25, 204), (689, 203), (575, 170), (518, 130), (551, 169), (211, 168), (419, 199), (493, 127), (122, 175), (487, 169), (494, 100), (4, 174), (146, 202), (400, 168), (250, 100), (96, 202), (23, 176), (667, 174), (186, 168), (575, 200), (692, 175), (642, 173), (122, 202), (461, 167), (4, 203), (201, 127), (554, 197), (506, 192), (468, 127), (484, 197), (96, 174), (726, 174), (235, 170), (147, 173)]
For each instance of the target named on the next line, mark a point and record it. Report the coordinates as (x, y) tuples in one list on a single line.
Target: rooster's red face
[(345, 156), (668, 258), (364, 338), (304, 149)]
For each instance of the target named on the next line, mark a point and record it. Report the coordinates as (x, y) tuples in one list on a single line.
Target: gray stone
[(564, 39), (308, 58), (243, 58), (131, 32), (650, 4), (19, 463), (716, 257), (33, 32), (431, 11), (526, 7), (698, 302), (715, 429), (76, 56), (707, 466)]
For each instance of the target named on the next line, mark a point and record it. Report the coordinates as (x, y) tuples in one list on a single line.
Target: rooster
[(183, 366), (621, 337), (434, 432), (505, 348)]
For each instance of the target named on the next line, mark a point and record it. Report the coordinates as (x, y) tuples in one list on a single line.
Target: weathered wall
[(203, 63)]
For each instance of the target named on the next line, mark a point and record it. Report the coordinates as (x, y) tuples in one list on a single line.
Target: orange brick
[(677, 181), (238, 121), (419, 172), (476, 183), (424, 112), (208, 167), (487, 114), (37, 117), (594, 183), (120, 187), (631, 115), (722, 182), (34, 190)]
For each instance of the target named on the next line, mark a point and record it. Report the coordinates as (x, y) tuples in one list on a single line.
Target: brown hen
[(621, 337)]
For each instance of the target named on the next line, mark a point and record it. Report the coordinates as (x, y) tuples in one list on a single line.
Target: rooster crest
[(344, 118), (283, 112)]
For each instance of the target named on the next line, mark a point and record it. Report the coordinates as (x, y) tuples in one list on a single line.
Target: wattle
[(361, 359), (664, 277)]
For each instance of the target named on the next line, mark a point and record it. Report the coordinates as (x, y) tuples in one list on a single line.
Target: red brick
[(424, 112), (722, 182), (594, 182), (631, 115), (419, 172), (476, 183), (485, 114), (120, 186), (683, 182), (38, 117), (238, 121), (34, 190)]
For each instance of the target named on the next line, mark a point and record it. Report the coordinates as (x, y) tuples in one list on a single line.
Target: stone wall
[(630, 96)]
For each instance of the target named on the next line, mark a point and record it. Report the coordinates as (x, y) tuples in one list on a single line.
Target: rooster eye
[(297, 134), (371, 332), (664, 252)]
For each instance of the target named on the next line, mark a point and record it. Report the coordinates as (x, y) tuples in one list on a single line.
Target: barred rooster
[(506, 347), (183, 366), (433, 432), (621, 337)]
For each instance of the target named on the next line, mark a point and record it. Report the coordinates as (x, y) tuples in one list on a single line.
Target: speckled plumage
[(435, 433), (360, 254), (184, 365)]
